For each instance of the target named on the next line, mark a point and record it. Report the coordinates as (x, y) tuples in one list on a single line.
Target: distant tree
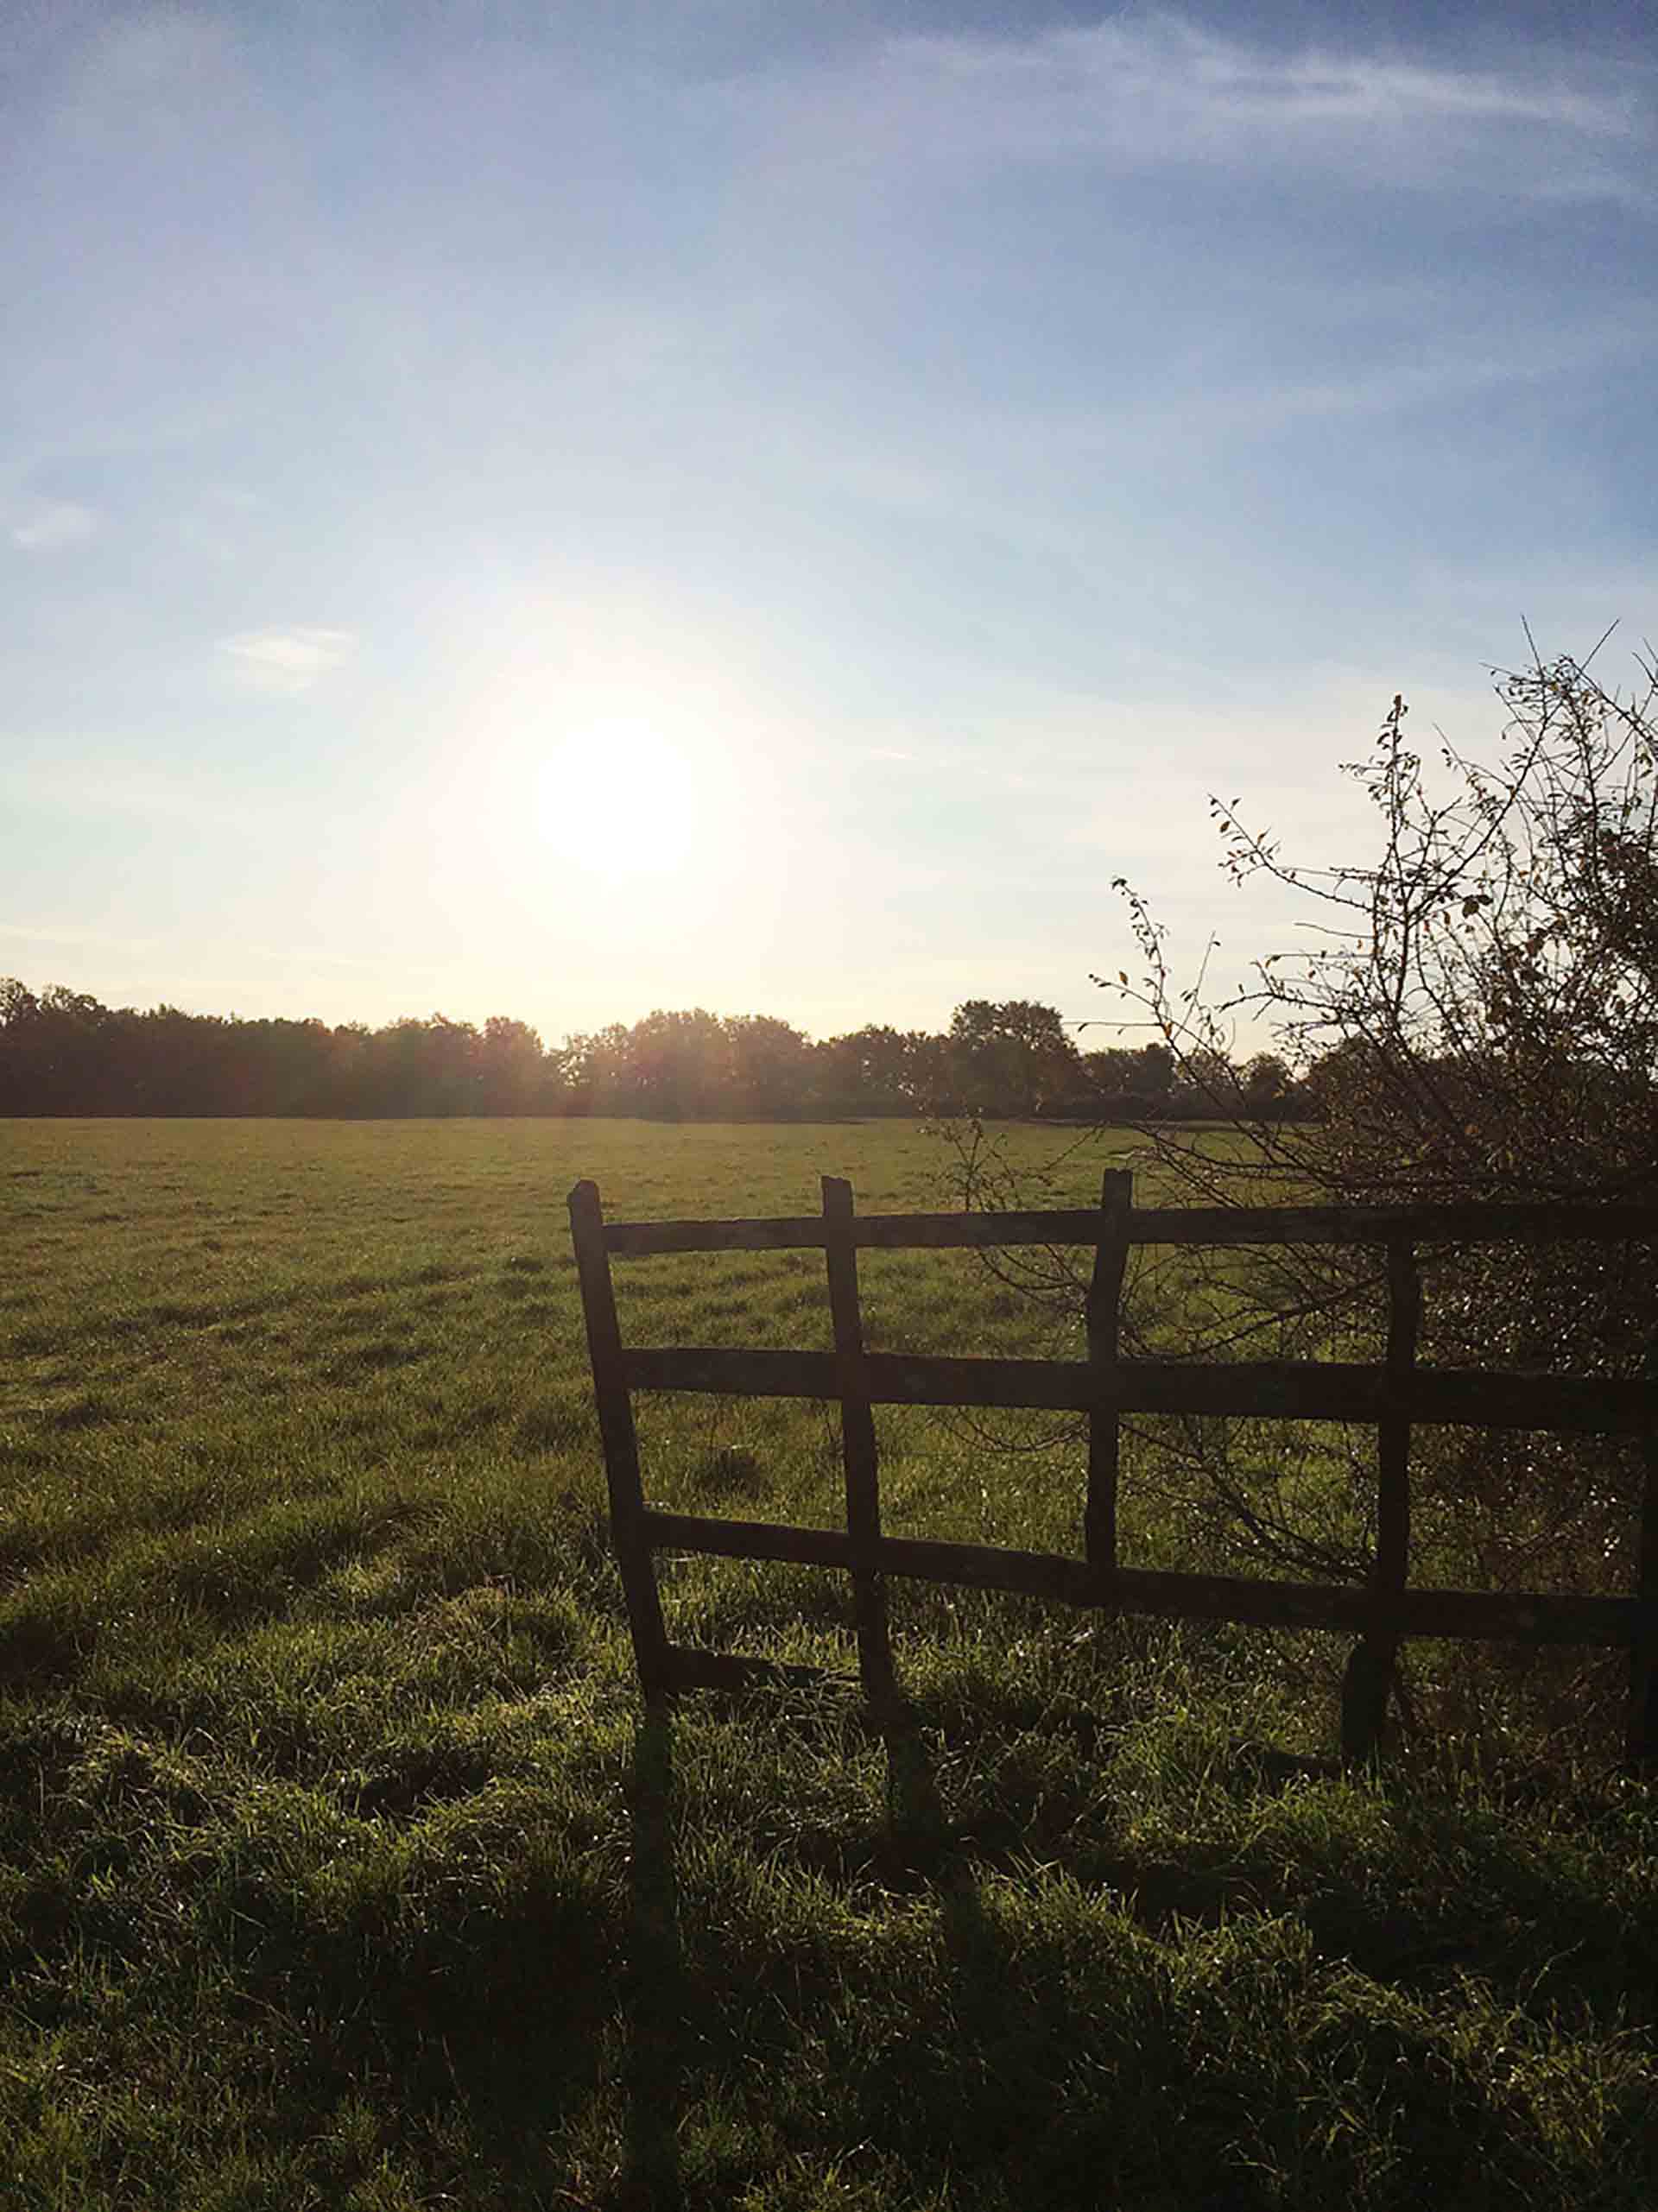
[(771, 1067), (1109, 1069), (878, 1070), (415, 1067), (1123, 1084), (1268, 1085), (1155, 1070), (1006, 1057), (513, 1074), (679, 1063), (596, 1075), (21, 1088), (65, 1042)]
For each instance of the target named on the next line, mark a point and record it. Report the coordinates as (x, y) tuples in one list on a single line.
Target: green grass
[(339, 1866)]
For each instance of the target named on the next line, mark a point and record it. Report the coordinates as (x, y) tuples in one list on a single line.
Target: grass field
[(339, 1866)]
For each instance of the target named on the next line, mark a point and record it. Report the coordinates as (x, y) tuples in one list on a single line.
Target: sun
[(622, 799)]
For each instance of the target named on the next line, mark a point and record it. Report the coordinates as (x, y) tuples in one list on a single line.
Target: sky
[(563, 510)]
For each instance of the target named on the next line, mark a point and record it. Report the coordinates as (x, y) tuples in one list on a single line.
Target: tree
[(1007, 1057), (513, 1070), (1477, 1017), (689, 1062), (1266, 1086), (596, 1071), (875, 1070), (770, 1066)]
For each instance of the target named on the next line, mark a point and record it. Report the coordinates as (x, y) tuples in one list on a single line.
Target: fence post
[(1641, 1739), (857, 1445), (1104, 1322), (620, 1440), (1370, 1668)]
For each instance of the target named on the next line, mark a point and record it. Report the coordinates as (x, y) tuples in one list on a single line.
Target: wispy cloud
[(1110, 68), (287, 661), (1158, 91), (53, 524)]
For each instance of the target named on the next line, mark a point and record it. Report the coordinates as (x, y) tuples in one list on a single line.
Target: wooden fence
[(1394, 1397)]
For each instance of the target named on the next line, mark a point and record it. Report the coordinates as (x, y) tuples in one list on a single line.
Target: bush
[(1478, 1020)]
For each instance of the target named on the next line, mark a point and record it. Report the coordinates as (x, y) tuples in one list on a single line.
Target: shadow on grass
[(655, 1991), (660, 1996), (918, 1833)]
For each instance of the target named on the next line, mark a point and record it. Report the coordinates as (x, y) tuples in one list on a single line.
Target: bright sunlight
[(596, 755), (621, 799)]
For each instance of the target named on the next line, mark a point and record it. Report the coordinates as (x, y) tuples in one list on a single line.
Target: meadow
[(340, 1865)]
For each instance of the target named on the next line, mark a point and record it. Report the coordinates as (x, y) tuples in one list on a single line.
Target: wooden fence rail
[(1394, 1397)]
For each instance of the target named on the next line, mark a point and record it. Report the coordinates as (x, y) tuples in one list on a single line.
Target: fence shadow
[(917, 1832), (654, 1995)]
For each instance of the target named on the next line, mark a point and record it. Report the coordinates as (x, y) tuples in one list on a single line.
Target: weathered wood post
[(1642, 1734), (1369, 1670), (1104, 1325), (614, 1403), (857, 1445)]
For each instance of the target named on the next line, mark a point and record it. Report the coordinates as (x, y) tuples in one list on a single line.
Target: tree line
[(65, 1053)]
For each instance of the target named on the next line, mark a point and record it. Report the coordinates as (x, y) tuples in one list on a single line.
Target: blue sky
[(564, 510)]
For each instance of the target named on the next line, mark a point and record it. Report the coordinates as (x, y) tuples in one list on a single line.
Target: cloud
[(52, 524), (1158, 92), (1110, 69), (287, 661)]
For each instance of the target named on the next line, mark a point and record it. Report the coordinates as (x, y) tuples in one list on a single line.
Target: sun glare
[(621, 799), (595, 754)]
